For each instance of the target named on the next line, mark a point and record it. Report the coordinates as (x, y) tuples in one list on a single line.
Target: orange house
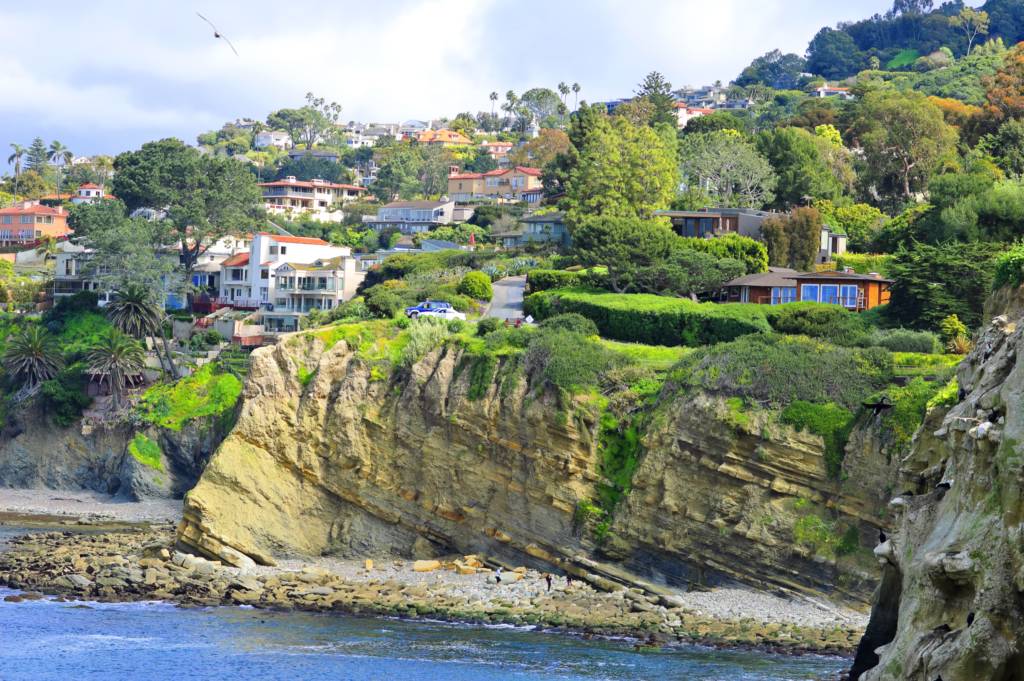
[(29, 221), (779, 285)]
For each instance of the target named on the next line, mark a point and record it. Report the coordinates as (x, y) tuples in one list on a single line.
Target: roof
[(416, 204), (694, 109), (775, 276), (713, 212), (443, 135), (553, 216), (283, 239), (497, 172), (438, 245), (311, 184), (838, 230), (321, 264), (89, 185), (237, 260), (31, 209), (844, 276)]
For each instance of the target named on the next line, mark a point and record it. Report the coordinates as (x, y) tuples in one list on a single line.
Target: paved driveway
[(507, 302)]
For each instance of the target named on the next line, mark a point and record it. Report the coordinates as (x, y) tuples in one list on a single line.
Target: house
[(410, 217), (833, 91), (780, 285), (89, 193), (412, 128), (686, 113), (538, 228), (316, 198), (851, 290), (278, 139), (322, 154), (301, 287), (442, 138), (368, 136), (774, 287), (73, 274), (709, 222), (248, 278), (207, 269), (503, 184), (499, 151), (26, 222), (833, 243)]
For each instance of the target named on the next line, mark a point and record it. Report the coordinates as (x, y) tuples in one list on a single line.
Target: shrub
[(487, 325), (947, 396), (1009, 268), (864, 263), (567, 359), (383, 302), (213, 337), (651, 319), (476, 285), (543, 280), (571, 321), (64, 396), (829, 421), (204, 393), (906, 340), (777, 370), (951, 327), (909, 405), (752, 253), (818, 320), (146, 451), (425, 334)]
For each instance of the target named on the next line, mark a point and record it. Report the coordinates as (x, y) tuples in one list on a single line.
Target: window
[(273, 250), (26, 220), (284, 250), (809, 293), (264, 274), (8, 220), (830, 293), (783, 294), (848, 296)]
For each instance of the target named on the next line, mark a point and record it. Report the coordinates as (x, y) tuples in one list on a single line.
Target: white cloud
[(110, 74)]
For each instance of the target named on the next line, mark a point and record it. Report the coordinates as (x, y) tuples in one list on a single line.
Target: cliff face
[(97, 456), (352, 464), (951, 601)]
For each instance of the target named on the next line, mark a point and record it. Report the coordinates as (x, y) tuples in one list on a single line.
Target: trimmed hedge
[(651, 319), (544, 280), (819, 320)]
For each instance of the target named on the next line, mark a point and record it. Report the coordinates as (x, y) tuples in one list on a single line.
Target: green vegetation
[(654, 357), (774, 371), (204, 393), (819, 320), (650, 319), (947, 396), (1010, 267), (903, 59), (865, 263), (476, 285), (571, 321), (910, 403), (906, 341), (64, 396), (829, 421), (305, 375), (620, 456), (146, 451)]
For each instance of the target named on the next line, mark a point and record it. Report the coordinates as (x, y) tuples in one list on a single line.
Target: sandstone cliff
[(951, 602), (350, 462)]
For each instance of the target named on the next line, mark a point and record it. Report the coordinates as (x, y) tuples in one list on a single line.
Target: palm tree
[(103, 165), (59, 154), (576, 96), (15, 158), (47, 248), (134, 312), (494, 99), (33, 356), (563, 90), (118, 359)]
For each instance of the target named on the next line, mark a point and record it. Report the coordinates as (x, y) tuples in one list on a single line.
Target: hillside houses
[(317, 199)]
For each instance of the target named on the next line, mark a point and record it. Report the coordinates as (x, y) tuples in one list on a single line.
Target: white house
[(685, 113), (273, 138), (88, 193), (316, 198), (250, 279)]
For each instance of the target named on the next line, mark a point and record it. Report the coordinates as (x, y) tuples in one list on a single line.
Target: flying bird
[(218, 34)]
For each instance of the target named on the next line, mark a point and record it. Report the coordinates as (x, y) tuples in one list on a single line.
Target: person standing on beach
[(497, 576)]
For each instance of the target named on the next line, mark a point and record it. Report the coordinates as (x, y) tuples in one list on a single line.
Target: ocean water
[(44, 640), (48, 641)]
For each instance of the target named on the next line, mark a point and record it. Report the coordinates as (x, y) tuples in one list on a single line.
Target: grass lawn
[(654, 357)]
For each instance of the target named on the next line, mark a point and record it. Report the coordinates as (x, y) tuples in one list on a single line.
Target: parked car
[(433, 308), (444, 313)]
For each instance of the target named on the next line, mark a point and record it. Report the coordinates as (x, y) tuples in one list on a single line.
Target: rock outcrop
[(353, 463), (96, 455), (951, 602)]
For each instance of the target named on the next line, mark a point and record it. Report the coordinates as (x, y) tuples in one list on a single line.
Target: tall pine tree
[(37, 156)]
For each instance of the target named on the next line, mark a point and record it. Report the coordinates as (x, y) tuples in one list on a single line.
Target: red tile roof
[(89, 185), (311, 184), (237, 260), (444, 136), (466, 176), (34, 209), (296, 239)]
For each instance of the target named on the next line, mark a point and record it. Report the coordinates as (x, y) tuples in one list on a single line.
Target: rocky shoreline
[(140, 563)]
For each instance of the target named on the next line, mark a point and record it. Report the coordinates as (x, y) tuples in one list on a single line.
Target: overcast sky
[(108, 75)]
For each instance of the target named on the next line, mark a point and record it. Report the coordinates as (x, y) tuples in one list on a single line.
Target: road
[(507, 302)]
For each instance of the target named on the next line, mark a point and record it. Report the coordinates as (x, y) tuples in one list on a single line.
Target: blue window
[(848, 297), (830, 293), (809, 293), (783, 294)]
